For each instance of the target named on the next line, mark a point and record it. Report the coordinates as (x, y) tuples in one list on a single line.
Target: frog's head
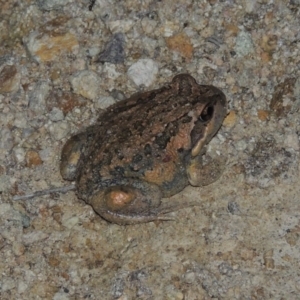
[(209, 114)]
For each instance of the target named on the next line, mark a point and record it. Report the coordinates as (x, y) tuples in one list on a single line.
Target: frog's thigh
[(128, 202), (70, 156), (200, 174)]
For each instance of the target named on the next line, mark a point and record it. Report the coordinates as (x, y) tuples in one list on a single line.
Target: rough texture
[(144, 148), (242, 241)]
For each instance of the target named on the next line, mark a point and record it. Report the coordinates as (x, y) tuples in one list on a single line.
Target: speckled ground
[(61, 62)]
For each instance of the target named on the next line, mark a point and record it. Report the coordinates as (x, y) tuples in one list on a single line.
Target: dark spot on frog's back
[(124, 135), (119, 154), (137, 158), (117, 172), (106, 157), (139, 126), (147, 150), (162, 140)]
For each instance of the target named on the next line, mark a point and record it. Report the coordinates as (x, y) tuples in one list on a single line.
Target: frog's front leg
[(201, 174), (128, 201)]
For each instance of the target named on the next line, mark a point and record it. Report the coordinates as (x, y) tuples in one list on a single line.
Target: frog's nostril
[(207, 113)]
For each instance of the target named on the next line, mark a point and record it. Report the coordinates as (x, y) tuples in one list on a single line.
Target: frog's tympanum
[(145, 148)]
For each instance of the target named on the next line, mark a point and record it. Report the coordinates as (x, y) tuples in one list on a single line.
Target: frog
[(144, 149)]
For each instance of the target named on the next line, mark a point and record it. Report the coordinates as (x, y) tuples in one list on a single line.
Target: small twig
[(63, 190)]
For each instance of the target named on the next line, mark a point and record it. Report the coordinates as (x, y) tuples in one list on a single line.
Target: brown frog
[(145, 148)]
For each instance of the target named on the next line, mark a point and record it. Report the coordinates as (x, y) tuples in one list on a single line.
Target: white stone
[(19, 154), (7, 284), (56, 114), (4, 183), (110, 71), (71, 222), (4, 208), (59, 130), (37, 98), (292, 141), (33, 237), (120, 26), (52, 4), (143, 72), (86, 83), (6, 139), (60, 296), (244, 44), (104, 102), (22, 287)]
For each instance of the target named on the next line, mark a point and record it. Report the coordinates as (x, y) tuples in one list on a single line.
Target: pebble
[(61, 296), (9, 79), (34, 237), (297, 89), (113, 50), (63, 101), (120, 25), (143, 72), (190, 277), (70, 222), (6, 139), (32, 159), (37, 97), (46, 47), (18, 248), (172, 294), (4, 185), (292, 141), (148, 25), (22, 287), (20, 120), (104, 102), (110, 71), (19, 153), (52, 4), (243, 44), (4, 207), (59, 130), (7, 284), (86, 84), (230, 119), (25, 219), (169, 28), (180, 43), (263, 114), (56, 115), (281, 102)]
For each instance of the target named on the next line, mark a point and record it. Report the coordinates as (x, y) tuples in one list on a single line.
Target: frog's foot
[(128, 202), (204, 173), (70, 156)]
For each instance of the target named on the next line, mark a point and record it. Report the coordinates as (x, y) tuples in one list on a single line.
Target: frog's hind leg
[(127, 201), (70, 156), (201, 173)]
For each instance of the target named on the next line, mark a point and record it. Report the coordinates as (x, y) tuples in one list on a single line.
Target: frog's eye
[(207, 113)]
